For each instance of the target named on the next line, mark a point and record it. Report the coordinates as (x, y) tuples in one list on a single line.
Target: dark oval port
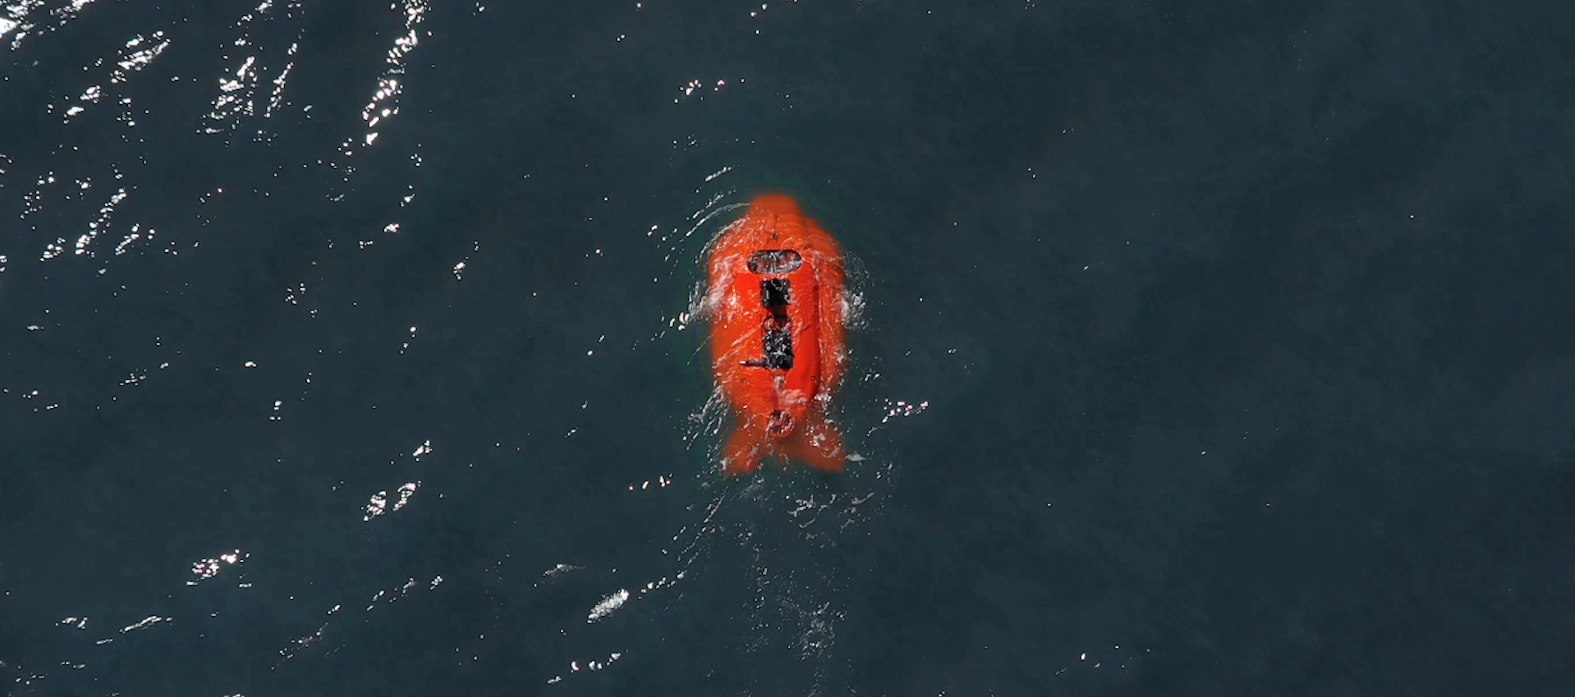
[(775, 261)]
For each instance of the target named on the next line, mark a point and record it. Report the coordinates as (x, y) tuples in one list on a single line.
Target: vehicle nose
[(774, 203)]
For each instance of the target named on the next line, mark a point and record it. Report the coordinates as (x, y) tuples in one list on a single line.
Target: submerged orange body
[(775, 298)]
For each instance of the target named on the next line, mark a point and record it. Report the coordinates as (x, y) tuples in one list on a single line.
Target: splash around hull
[(774, 294)]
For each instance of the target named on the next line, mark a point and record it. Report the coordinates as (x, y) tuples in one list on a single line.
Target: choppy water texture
[(346, 348)]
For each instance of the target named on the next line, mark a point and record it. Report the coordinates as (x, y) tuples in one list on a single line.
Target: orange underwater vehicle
[(775, 298)]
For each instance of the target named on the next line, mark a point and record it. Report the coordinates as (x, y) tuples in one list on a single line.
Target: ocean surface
[(350, 348)]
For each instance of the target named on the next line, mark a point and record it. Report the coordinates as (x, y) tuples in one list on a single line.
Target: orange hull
[(775, 298)]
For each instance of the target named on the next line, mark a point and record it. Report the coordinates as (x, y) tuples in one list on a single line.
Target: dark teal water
[(1203, 350)]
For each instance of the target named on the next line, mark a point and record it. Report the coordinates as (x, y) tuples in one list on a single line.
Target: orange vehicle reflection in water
[(778, 316)]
